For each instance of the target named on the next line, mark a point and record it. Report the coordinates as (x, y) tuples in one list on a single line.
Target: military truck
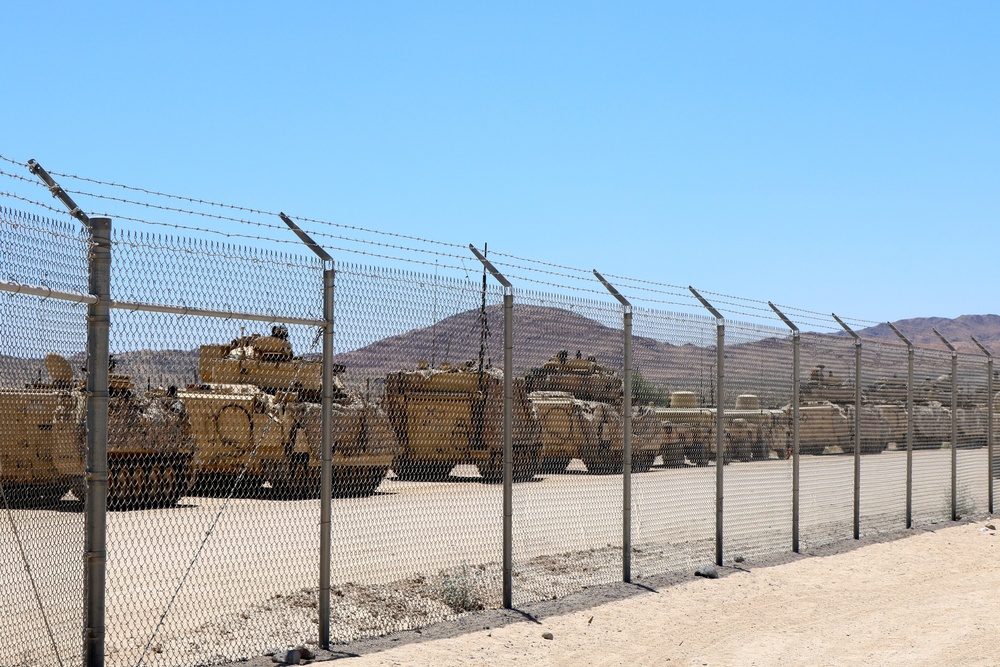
[(453, 415), (256, 417), (578, 402), (42, 451)]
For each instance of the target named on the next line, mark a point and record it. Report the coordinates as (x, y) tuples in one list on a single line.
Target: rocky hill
[(681, 356)]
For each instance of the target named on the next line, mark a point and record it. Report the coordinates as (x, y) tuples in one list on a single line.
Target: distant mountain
[(986, 328), (753, 365)]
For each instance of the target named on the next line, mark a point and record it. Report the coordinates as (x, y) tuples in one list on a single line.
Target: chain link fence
[(263, 494)]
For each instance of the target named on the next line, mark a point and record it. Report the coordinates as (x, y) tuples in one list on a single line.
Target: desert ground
[(921, 598), (216, 580)]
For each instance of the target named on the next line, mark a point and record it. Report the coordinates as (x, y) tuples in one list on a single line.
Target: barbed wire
[(245, 209), (735, 304), (19, 164), (32, 181), (34, 202), (263, 225)]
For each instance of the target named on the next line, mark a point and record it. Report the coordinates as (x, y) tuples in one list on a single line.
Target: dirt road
[(929, 599)]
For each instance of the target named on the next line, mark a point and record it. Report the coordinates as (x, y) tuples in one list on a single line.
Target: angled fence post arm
[(909, 424), (627, 430), (954, 424), (326, 446), (508, 427), (96, 475), (720, 436), (795, 425), (857, 426), (989, 418)]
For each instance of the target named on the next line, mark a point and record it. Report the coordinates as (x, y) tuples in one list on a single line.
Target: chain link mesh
[(42, 422), (213, 458), (674, 504), (758, 478), (215, 432), (826, 427)]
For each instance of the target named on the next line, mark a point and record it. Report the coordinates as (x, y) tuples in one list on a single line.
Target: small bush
[(459, 588)]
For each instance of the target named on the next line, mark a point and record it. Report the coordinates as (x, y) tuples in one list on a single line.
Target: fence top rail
[(46, 292)]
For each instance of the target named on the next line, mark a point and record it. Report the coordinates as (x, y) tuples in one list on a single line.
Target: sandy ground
[(926, 599)]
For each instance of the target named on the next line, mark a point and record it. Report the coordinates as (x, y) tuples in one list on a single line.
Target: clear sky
[(839, 156)]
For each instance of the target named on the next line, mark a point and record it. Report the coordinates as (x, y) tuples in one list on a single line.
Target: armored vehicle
[(825, 385), (689, 430), (256, 417), (752, 433), (43, 443), (454, 415), (578, 403)]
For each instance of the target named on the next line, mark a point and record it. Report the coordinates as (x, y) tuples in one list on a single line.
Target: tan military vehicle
[(454, 415), (689, 430), (44, 438), (578, 403), (825, 385), (823, 428), (752, 433), (256, 417)]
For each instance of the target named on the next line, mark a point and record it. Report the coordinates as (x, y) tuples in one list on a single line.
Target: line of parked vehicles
[(254, 422)]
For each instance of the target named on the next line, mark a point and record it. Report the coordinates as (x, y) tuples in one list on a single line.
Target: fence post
[(954, 425), (626, 431), (989, 419), (508, 428), (795, 426), (909, 425), (857, 427), (326, 471), (96, 502), (326, 442), (720, 435)]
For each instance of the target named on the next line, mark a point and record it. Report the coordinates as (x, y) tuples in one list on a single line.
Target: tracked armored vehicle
[(42, 454), (752, 432), (256, 417), (454, 415), (578, 403), (689, 430)]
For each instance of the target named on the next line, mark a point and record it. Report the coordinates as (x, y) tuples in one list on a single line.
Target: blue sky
[(833, 156)]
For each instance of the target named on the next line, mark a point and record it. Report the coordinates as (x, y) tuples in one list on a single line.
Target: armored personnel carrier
[(578, 403), (42, 452), (257, 417), (752, 432), (453, 415), (689, 430)]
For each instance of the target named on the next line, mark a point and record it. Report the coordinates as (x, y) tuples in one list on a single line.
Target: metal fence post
[(795, 425), (720, 419), (508, 429), (954, 425), (909, 425), (96, 501), (326, 472), (626, 431), (857, 427), (326, 444), (989, 419)]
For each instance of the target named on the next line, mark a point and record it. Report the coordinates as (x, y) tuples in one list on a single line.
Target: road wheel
[(421, 471), (553, 464)]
